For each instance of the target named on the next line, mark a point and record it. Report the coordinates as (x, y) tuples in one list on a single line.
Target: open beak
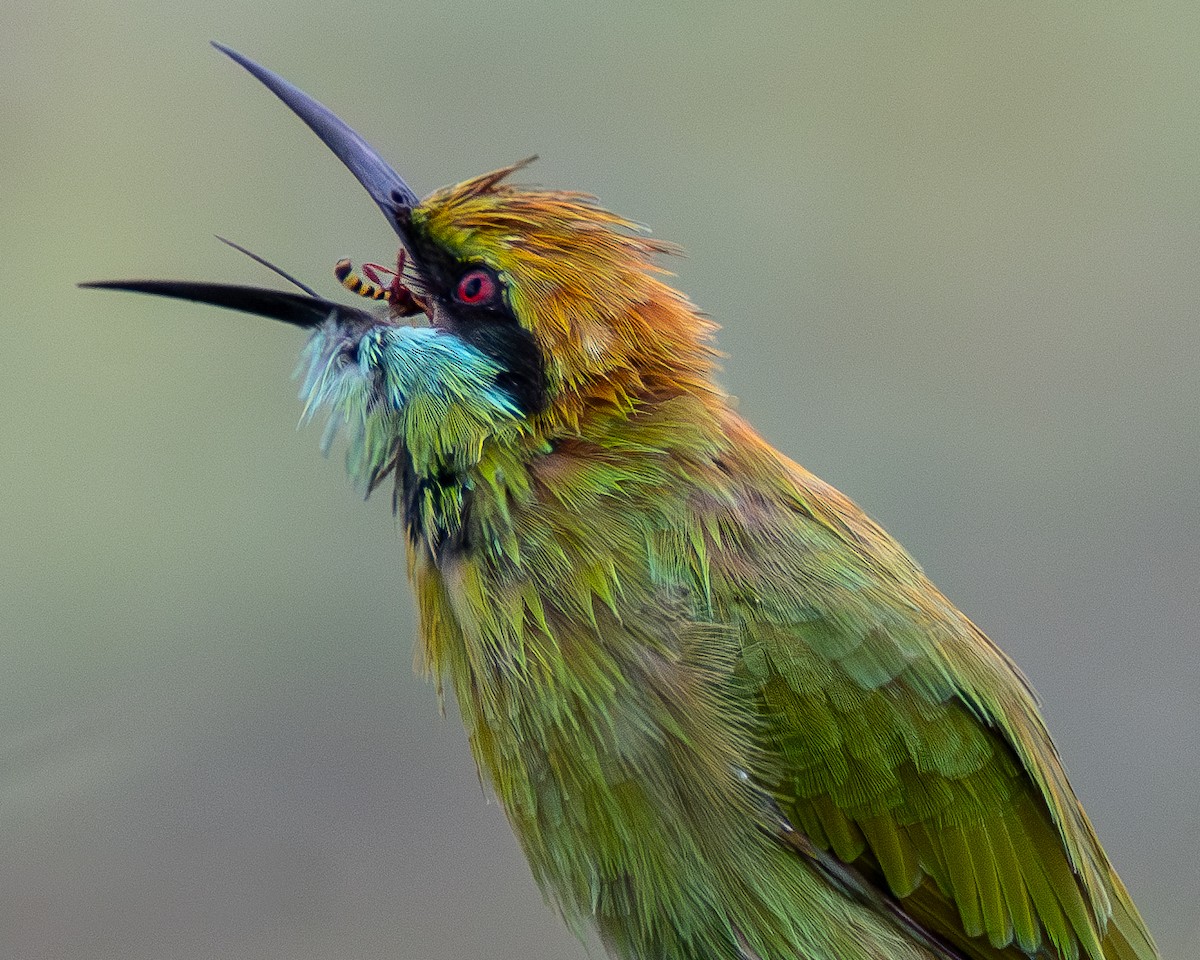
[(387, 188)]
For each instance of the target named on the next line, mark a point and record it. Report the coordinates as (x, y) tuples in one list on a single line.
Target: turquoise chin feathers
[(417, 393)]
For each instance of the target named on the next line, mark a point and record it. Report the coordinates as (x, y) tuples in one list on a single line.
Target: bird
[(726, 714)]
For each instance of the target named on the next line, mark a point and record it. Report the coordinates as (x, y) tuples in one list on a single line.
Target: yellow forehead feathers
[(584, 280)]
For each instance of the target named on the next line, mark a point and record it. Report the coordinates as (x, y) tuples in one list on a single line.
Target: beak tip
[(386, 187), (228, 51)]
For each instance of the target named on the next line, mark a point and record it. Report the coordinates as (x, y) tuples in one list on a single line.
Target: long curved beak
[(298, 309), (386, 187)]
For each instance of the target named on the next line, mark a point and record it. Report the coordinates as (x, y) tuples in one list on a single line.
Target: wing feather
[(905, 742)]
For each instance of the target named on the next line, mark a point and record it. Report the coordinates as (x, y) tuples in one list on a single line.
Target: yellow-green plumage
[(726, 714), (661, 602)]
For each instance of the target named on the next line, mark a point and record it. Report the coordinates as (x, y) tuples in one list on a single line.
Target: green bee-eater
[(726, 714)]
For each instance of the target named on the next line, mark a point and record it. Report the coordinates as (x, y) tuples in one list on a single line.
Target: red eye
[(476, 287)]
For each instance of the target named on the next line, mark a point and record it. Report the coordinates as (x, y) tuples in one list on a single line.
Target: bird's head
[(543, 309)]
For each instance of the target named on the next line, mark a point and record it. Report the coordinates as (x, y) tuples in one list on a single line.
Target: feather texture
[(727, 715)]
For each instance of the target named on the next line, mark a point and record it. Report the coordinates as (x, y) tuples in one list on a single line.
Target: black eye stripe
[(491, 327), (515, 351)]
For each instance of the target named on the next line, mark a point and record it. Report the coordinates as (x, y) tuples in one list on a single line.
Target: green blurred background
[(954, 250)]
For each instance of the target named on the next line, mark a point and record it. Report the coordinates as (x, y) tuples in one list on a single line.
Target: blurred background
[(954, 250)]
